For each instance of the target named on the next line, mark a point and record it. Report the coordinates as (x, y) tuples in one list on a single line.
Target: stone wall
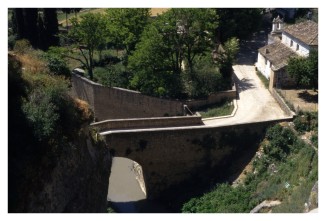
[(171, 156), (157, 122), (212, 99), (281, 102), (118, 103)]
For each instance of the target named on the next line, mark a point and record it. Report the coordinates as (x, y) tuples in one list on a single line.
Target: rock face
[(77, 183), (313, 198)]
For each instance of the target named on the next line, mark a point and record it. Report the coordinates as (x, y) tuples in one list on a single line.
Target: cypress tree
[(30, 26), (51, 26), (18, 22), (42, 42)]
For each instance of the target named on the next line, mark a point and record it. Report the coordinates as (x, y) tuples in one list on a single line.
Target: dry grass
[(31, 64), (83, 106), (153, 12), (158, 11)]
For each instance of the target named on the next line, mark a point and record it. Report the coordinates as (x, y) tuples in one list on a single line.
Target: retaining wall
[(212, 99), (281, 102), (118, 103)]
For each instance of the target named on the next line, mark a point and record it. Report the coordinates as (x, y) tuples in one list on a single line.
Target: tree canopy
[(88, 34), (240, 22), (177, 36), (304, 70), (125, 26)]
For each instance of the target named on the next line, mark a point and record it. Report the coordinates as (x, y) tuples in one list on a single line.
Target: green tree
[(51, 26), (238, 22), (126, 25), (177, 35), (30, 26), (88, 34), (304, 70), (194, 31), (152, 70), (228, 56), (18, 22)]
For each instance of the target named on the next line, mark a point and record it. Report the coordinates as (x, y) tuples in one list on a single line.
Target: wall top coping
[(189, 127), (144, 119)]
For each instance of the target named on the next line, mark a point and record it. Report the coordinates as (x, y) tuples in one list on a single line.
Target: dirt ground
[(306, 100)]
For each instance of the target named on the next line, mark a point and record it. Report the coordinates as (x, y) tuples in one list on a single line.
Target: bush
[(280, 141), (306, 121), (22, 46), (56, 61), (112, 76), (224, 199)]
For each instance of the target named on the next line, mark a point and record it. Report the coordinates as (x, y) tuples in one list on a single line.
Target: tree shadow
[(307, 97), (243, 84)]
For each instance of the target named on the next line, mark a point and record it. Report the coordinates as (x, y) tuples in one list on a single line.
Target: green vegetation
[(307, 122), (44, 122), (222, 109), (38, 26), (240, 23), (88, 36), (169, 56), (263, 79), (304, 70), (285, 169)]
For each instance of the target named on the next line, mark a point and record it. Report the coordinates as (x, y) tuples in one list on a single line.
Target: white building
[(296, 40)]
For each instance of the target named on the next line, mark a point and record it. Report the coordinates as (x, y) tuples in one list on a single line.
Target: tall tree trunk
[(30, 26), (51, 26), (18, 22)]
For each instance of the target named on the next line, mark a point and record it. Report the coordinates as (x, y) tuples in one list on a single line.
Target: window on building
[(297, 48), (291, 43)]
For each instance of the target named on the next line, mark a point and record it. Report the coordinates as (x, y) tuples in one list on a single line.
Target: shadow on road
[(243, 84)]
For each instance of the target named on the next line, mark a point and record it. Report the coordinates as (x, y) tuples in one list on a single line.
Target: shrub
[(306, 121), (112, 76), (56, 61), (22, 46)]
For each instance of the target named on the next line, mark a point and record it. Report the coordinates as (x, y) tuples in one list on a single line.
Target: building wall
[(302, 50), (171, 156), (263, 65)]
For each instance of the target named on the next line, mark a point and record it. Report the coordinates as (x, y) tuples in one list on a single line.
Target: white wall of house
[(299, 48), (263, 65)]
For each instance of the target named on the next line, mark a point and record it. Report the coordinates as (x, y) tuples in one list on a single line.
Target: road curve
[(255, 103)]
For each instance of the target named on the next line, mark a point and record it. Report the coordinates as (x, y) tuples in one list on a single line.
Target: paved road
[(255, 103)]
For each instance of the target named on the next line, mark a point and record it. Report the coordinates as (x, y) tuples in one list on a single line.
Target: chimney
[(266, 51)]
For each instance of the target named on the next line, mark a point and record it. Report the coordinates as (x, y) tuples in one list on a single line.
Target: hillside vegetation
[(49, 165), (284, 169)]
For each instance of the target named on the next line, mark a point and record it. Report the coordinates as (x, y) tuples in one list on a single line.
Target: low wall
[(281, 102), (212, 99), (147, 123)]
